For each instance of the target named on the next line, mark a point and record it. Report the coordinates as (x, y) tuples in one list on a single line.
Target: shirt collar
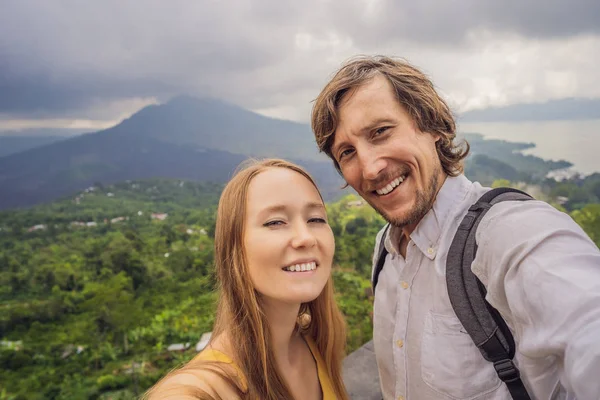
[(427, 233)]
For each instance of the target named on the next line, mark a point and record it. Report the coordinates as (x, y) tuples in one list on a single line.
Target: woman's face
[(288, 243)]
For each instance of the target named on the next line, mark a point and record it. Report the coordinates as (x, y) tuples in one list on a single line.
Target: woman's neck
[(282, 319)]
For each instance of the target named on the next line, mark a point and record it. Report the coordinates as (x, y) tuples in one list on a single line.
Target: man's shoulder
[(520, 212), (511, 222)]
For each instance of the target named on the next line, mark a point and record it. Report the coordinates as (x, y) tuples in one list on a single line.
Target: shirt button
[(430, 251), (400, 397), (404, 285), (400, 343)]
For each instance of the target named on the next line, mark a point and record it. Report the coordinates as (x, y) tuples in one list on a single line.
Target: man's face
[(383, 156)]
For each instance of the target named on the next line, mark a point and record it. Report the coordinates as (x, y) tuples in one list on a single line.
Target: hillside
[(16, 144), (96, 287), (492, 159)]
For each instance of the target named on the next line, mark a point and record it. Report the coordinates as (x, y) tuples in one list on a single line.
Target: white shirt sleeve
[(542, 273)]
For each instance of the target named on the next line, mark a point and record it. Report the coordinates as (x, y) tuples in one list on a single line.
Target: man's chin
[(395, 217), (399, 221), (404, 217)]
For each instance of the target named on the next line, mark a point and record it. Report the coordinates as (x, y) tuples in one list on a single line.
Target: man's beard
[(423, 202)]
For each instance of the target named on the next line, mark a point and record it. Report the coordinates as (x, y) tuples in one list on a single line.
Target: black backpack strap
[(484, 324), (381, 253)]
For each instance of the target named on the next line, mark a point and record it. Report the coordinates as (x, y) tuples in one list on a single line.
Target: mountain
[(203, 123), (17, 144), (187, 138), (563, 109)]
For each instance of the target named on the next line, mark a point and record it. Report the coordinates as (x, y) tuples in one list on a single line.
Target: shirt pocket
[(451, 364)]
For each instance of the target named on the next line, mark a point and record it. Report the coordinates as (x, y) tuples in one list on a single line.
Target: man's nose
[(371, 165)]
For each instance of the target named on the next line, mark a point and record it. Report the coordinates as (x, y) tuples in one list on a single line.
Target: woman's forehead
[(281, 187)]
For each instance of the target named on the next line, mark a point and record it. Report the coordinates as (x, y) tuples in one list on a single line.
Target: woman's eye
[(273, 223), (318, 220)]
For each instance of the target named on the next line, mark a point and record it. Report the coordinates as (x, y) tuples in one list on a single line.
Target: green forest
[(96, 288)]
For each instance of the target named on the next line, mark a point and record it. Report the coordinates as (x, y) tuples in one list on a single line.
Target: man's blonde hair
[(414, 91)]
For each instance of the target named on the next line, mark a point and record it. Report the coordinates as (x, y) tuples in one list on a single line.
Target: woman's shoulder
[(211, 375), (218, 352), (193, 385)]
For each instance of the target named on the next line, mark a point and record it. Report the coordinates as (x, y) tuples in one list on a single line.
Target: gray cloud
[(40, 96), (449, 23), (62, 55), (61, 58)]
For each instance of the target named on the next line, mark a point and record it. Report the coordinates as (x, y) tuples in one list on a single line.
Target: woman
[(278, 332)]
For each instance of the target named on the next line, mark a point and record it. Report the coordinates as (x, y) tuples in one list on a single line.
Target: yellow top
[(324, 379)]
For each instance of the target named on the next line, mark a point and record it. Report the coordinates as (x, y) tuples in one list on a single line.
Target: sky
[(89, 64)]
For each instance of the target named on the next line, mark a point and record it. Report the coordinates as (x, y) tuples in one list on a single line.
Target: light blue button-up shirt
[(542, 274)]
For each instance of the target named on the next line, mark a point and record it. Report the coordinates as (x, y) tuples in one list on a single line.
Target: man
[(392, 138)]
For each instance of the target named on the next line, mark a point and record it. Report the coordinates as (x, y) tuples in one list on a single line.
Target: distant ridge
[(563, 109), (16, 144), (188, 138)]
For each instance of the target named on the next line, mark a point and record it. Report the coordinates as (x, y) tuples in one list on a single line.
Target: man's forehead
[(374, 85), (367, 101), (359, 113), (370, 87)]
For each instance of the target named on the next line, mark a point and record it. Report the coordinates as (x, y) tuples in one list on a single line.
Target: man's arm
[(543, 273)]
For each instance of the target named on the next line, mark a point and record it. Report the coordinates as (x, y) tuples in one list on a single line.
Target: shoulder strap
[(381, 253), (484, 324), (322, 372)]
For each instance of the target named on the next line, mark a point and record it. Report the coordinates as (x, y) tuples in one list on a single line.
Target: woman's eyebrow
[(271, 209), (315, 205), (282, 207)]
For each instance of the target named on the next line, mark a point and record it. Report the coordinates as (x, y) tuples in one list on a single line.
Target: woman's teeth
[(391, 186), (301, 267)]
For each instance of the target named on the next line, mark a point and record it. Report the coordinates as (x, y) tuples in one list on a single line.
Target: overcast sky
[(89, 63)]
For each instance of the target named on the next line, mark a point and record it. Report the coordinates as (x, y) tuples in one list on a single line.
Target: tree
[(589, 219)]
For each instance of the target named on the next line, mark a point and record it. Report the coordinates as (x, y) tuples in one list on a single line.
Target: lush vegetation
[(96, 287)]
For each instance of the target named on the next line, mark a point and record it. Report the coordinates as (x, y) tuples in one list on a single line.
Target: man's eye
[(274, 223), (381, 130), (345, 153)]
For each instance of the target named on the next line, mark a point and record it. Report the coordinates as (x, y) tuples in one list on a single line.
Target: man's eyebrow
[(366, 128)]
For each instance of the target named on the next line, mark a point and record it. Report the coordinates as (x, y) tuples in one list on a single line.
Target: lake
[(575, 141)]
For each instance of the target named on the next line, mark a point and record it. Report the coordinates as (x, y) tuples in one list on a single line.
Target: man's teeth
[(301, 267), (393, 184)]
